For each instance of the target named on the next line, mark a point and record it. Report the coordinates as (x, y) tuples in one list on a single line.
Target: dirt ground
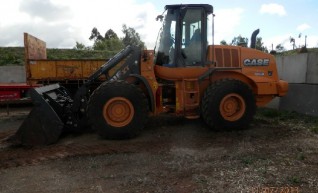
[(279, 152)]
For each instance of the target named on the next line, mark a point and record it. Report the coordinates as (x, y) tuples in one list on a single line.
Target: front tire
[(228, 104), (117, 110)]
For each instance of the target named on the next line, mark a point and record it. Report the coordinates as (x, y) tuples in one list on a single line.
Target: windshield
[(166, 44)]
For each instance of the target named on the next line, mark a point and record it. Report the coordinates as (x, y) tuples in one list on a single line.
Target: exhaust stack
[(253, 38)]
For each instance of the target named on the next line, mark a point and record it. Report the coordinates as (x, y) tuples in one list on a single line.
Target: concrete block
[(293, 68), (12, 74), (279, 65), (302, 98), (312, 69)]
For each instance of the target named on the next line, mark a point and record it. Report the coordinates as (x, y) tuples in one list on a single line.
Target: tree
[(108, 44), (131, 37), (223, 42), (280, 48), (292, 41), (240, 41), (260, 45), (80, 46), (95, 35), (111, 41), (110, 34)]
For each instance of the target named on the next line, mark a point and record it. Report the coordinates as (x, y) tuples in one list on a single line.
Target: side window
[(166, 46), (191, 37), (173, 41)]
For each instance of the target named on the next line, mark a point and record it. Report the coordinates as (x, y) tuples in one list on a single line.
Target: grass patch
[(281, 115), (301, 156), (247, 160), (314, 129), (294, 180), (292, 116)]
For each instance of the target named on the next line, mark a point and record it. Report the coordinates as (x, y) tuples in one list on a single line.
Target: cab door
[(191, 50)]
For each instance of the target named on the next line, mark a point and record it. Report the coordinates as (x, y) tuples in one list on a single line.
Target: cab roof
[(208, 8)]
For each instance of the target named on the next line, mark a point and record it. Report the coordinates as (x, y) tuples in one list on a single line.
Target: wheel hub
[(118, 112), (232, 107)]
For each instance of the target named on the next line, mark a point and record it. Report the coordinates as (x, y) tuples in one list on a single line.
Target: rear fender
[(218, 75), (136, 78)]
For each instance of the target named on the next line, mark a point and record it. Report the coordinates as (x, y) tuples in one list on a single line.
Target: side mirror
[(159, 17)]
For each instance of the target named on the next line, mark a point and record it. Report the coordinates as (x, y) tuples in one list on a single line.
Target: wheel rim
[(232, 107), (118, 112)]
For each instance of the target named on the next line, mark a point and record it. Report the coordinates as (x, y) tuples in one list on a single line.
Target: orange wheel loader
[(183, 75)]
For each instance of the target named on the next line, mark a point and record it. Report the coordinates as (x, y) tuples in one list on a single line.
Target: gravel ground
[(278, 152)]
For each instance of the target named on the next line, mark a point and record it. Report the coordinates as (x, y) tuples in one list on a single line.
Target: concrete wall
[(302, 98), (292, 69), (301, 72), (12, 74), (312, 68)]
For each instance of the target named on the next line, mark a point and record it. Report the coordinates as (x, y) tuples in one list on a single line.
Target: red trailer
[(14, 91)]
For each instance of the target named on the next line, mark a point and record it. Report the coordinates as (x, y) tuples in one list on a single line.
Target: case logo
[(256, 62)]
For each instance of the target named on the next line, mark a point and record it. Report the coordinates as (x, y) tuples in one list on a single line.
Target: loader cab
[(183, 36)]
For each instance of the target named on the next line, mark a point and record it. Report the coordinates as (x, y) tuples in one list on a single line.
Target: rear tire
[(117, 110), (228, 104)]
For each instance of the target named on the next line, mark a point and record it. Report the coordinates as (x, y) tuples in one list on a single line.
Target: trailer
[(14, 91), (71, 73)]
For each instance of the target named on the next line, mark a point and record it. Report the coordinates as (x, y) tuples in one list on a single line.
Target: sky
[(62, 23)]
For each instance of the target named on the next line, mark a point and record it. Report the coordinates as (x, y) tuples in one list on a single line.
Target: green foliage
[(103, 48), (131, 37), (236, 41), (95, 35), (15, 55), (242, 41), (108, 44), (297, 51), (80, 46), (110, 34), (56, 54), (239, 41), (223, 42), (11, 56), (260, 45), (280, 48)]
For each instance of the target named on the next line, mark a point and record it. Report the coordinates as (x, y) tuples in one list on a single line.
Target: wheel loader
[(183, 75)]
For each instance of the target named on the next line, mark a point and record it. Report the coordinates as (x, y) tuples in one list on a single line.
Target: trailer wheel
[(117, 110), (228, 104)]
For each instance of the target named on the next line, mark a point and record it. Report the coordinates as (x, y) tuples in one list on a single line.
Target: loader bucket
[(42, 126)]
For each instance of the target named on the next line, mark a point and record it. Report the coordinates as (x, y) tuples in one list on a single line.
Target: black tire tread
[(108, 132), (214, 93)]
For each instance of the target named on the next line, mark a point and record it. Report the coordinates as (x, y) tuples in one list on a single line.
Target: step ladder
[(191, 98)]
